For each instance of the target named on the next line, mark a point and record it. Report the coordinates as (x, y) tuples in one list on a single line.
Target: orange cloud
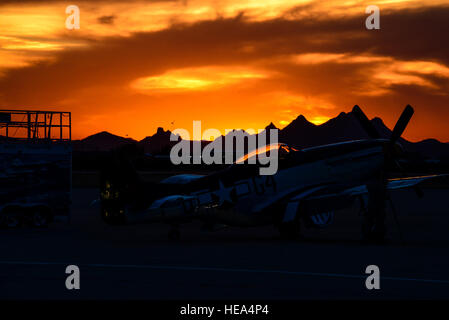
[(137, 65), (204, 78)]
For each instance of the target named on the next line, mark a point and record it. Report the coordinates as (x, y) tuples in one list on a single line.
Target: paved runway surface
[(138, 262)]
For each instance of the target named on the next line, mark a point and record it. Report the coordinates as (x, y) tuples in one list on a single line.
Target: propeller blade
[(365, 123), (402, 123)]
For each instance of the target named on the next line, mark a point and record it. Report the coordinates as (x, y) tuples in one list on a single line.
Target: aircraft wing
[(328, 198), (441, 180), (299, 192), (438, 180)]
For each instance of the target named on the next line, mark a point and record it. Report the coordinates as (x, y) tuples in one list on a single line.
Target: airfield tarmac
[(139, 262)]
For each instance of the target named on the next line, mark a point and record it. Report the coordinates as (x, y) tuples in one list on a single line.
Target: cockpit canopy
[(282, 149)]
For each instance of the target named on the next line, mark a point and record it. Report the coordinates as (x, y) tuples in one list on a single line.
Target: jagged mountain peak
[(299, 133), (270, 126)]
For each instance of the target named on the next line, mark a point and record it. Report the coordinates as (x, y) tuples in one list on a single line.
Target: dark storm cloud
[(407, 35)]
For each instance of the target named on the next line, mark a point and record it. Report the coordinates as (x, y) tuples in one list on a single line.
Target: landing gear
[(373, 225), (174, 234)]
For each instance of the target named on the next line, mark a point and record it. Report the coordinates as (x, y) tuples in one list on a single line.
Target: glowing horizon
[(138, 65)]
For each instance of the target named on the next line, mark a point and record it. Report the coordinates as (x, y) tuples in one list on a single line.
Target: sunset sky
[(136, 65)]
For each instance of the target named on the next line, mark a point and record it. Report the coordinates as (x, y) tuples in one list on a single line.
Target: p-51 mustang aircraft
[(309, 186)]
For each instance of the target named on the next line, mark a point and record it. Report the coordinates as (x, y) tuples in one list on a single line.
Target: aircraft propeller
[(398, 129), (378, 194), (402, 123), (364, 121)]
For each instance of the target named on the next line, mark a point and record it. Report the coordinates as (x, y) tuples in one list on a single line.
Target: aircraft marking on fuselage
[(223, 194), (240, 188)]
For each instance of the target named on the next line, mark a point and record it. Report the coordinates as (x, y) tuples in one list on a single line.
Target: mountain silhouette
[(300, 133), (102, 141), (158, 142), (431, 148)]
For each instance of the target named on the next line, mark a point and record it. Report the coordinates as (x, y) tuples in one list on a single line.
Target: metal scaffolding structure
[(32, 125)]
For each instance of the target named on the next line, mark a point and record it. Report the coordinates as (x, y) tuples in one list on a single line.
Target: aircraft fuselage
[(239, 196)]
